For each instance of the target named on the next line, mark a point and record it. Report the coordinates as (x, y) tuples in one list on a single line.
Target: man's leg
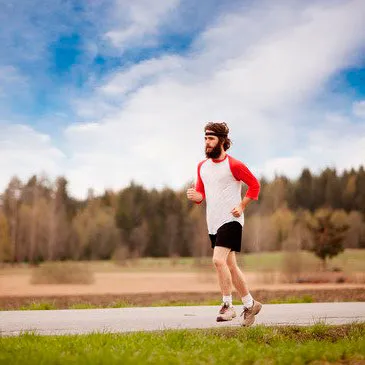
[(220, 255), (238, 279), (251, 307)]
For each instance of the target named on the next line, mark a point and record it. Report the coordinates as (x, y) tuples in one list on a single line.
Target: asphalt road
[(82, 321)]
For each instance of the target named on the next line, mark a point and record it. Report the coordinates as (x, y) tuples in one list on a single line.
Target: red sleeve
[(199, 186), (242, 173)]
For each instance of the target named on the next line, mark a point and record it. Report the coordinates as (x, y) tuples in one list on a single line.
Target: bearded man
[(219, 182)]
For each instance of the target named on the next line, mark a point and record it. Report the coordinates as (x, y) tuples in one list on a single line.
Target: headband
[(216, 134)]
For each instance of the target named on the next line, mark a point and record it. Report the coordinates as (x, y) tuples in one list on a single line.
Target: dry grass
[(208, 298), (310, 277), (62, 273), (352, 260)]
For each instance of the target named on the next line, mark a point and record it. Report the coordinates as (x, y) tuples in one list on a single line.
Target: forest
[(41, 221)]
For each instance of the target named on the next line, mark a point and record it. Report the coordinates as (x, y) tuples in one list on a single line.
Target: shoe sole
[(221, 319), (252, 320)]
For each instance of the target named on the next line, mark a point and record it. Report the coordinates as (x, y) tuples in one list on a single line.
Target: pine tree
[(304, 191)]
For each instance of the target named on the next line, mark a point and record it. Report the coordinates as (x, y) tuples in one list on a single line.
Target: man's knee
[(219, 261)]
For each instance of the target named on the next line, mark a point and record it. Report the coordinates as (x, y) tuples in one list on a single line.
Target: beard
[(215, 152)]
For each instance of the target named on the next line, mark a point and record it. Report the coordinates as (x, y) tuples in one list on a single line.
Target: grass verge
[(168, 299), (257, 345), (45, 305)]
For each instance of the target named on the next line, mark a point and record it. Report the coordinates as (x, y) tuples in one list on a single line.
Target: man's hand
[(193, 195), (237, 211)]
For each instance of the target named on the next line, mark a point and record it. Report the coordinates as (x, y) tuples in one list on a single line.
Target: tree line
[(40, 221)]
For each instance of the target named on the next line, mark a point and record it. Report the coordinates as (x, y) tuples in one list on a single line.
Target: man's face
[(213, 147)]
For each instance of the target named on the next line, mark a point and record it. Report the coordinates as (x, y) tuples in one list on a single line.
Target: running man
[(219, 181)]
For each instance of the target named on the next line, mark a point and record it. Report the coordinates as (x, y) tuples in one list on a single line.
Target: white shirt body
[(222, 193)]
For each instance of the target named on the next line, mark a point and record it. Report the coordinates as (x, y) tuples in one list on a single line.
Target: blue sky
[(104, 92)]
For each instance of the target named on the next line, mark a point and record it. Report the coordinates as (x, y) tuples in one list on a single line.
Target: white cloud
[(138, 22), (139, 75), (359, 108), (261, 71), (258, 87), (25, 152), (336, 142), (288, 166), (92, 108)]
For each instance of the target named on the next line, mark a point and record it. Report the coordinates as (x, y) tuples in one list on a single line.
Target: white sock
[(227, 299), (247, 301)]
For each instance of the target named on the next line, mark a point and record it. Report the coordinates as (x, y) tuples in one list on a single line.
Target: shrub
[(62, 273)]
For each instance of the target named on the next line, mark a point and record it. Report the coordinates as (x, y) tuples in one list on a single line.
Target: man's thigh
[(221, 253), (231, 259)]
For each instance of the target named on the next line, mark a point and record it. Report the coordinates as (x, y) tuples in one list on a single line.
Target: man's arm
[(242, 173), (194, 195), (242, 206), (197, 193)]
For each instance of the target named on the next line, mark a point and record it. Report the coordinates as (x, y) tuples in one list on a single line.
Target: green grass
[(291, 300), (349, 261), (51, 306), (256, 345), (82, 306), (119, 304), (38, 306), (163, 303)]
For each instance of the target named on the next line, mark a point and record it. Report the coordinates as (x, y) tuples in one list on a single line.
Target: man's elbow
[(258, 188)]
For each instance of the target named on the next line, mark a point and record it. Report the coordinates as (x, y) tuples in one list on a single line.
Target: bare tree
[(171, 234), (199, 237), (5, 239)]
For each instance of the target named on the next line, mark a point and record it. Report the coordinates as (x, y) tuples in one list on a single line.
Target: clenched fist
[(237, 211), (193, 195)]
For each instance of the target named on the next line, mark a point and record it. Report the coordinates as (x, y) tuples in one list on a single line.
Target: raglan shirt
[(220, 183)]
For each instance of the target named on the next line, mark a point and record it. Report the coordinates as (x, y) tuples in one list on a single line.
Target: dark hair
[(220, 127)]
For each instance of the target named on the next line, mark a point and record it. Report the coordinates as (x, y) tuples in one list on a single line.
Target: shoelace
[(224, 307), (245, 309)]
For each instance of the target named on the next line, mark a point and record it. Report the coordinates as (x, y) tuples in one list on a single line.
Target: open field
[(184, 275), (119, 283), (351, 260), (164, 281), (318, 344)]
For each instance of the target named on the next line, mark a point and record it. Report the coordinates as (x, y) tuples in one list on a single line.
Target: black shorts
[(229, 235)]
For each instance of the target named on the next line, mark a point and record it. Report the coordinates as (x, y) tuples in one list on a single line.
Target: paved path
[(80, 321)]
